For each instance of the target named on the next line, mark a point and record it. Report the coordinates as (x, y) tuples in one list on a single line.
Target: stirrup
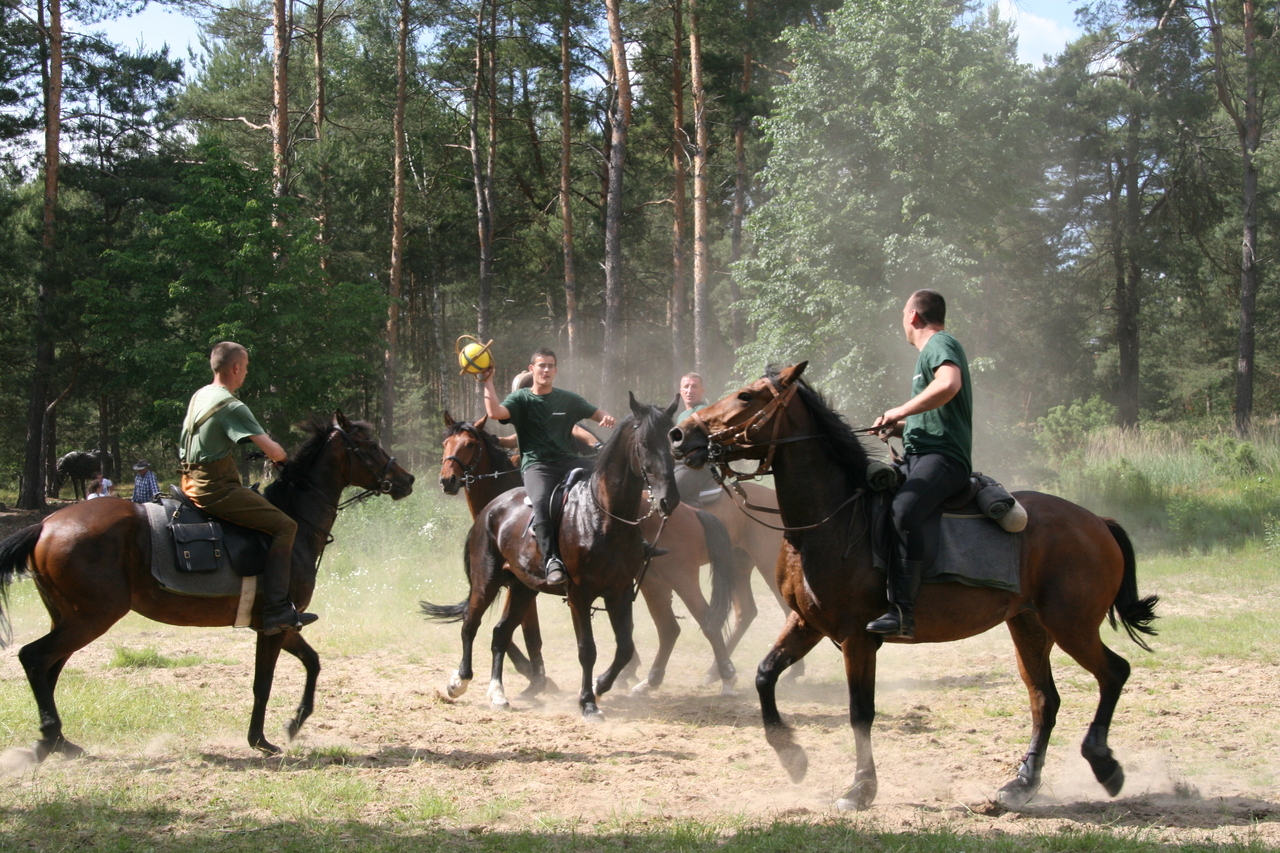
[(288, 620), (554, 571), (894, 623)]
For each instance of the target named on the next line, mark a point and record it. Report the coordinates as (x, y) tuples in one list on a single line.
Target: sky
[(1044, 27)]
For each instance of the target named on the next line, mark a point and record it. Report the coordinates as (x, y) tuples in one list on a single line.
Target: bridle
[(383, 476), (468, 467)]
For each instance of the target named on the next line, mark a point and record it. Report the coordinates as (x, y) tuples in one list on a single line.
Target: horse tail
[(15, 553), (1136, 614), (451, 612), (720, 550)]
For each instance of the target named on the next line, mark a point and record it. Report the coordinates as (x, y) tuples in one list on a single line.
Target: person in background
[(145, 487), (99, 487)]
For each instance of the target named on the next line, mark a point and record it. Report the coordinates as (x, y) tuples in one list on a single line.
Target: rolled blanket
[(1015, 520), (995, 501), (881, 476)]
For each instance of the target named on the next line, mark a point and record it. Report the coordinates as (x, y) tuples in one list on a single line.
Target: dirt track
[(1197, 738)]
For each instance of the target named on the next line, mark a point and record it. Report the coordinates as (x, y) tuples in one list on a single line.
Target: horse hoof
[(291, 731), (643, 688), (267, 748), (456, 686), (1115, 781), (727, 688), (711, 676), (500, 704), (592, 714), (794, 761), (1017, 793), (44, 748)]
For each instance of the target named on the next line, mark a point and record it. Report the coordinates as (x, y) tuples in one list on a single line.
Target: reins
[(467, 467)]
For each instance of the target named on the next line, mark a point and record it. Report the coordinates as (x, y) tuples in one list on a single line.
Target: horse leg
[(482, 595), (766, 569), (657, 598), (690, 593), (266, 654), (43, 660), (795, 641), (581, 612), (1111, 671), (530, 623), (532, 629), (744, 602), (518, 600), (300, 649), (860, 672), (620, 618), (1033, 645)]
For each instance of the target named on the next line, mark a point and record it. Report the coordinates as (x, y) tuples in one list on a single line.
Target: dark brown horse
[(1076, 568), (92, 564), (473, 461), (603, 550)]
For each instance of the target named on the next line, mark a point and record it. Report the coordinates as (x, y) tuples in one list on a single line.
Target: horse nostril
[(676, 435), (410, 479)]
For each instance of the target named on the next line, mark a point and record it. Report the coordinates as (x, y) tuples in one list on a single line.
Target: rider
[(543, 417), (215, 422), (936, 426), (693, 482)]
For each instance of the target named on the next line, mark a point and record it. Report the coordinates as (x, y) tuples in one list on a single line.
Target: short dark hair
[(930, 305), (545, 353), (697, 376), (226, 354)]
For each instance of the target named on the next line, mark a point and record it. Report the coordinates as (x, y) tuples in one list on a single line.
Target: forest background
[(346, 186)]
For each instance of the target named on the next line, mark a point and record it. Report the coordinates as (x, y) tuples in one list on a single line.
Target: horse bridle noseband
[(467, 467)]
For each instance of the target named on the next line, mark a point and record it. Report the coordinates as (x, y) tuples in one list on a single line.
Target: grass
[(149, 657)]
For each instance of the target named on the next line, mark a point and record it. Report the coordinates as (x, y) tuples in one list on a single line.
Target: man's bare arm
[(268, 445), (492, 405), (947, 381)]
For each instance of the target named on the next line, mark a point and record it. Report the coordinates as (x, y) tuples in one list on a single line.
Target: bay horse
[(91, 563), (474, 462), (1076, 569), (603, 551)]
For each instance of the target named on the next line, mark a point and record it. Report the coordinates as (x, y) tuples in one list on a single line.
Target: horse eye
[(745, 397)]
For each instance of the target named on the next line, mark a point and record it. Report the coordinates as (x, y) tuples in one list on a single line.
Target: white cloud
[(1039, 35)]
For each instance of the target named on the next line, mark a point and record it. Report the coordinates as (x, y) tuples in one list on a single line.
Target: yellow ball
[(474, 358)]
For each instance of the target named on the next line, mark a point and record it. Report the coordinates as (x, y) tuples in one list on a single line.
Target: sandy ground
[(1197, 737)]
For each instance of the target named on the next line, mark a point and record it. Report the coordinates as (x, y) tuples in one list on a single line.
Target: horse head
[(464, 452), (367, 465), (741, 425), (649, 455)]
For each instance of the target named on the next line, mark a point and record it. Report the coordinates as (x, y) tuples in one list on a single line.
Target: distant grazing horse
[(1076, 567), (92, 564), (602, 547), (79, 466), (474, 461)]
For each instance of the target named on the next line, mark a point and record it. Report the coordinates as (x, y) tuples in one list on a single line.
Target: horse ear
[(792, 373), (480, 423), (340, 419), (448, 419), (670, 411), (637, 408)]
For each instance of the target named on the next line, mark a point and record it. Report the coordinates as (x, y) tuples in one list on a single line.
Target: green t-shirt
[(544, 423), (947, 429), (218, 435), (695, 407)]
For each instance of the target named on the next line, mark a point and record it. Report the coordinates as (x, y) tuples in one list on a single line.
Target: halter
[(467, 467)]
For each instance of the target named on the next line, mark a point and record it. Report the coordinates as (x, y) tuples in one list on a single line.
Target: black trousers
[(931, 479), (541, 477)]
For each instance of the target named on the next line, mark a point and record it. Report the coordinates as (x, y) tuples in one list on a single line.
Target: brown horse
[(1076, 568), (603, 550), (473, 461), (91, 563)]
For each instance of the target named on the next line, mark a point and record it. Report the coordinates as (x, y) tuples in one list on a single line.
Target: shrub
[(1065, 429)]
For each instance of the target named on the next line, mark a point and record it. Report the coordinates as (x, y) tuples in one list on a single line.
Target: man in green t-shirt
[(693, 482), (216, 421), (543, 417), (936, 426)]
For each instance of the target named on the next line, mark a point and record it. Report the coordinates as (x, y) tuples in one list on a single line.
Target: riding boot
[(651, 550), (904, 588), (552, 565), (278, 612)]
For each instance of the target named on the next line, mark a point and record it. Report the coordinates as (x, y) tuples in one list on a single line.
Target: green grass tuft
[(149, 658)]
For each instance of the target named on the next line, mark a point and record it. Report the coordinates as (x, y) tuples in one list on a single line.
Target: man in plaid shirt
[(145, 486)]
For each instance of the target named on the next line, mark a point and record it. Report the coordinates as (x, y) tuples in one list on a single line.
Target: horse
[(91, 563), (603, 551), (474, 462), (79, 466), (1076, 569)]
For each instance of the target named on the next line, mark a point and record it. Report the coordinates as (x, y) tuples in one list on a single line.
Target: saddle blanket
[(223, 583), (976, 551)]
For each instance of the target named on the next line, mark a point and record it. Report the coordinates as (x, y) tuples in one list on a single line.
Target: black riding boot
[(278, 612), (552, 565), (904, 587)]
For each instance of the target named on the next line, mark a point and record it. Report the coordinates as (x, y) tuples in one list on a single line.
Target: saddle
[(204, 543), (559, 495)]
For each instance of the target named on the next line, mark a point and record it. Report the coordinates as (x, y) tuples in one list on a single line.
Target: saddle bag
[(199, 547)]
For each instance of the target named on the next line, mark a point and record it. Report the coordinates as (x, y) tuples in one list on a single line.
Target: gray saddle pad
[(974, 550), (164, 567)]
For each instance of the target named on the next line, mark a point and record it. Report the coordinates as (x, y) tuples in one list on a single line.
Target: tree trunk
[(397, 228), (280, 98), (1250, 132), (741, 185), (322, 215), (1128, 281), (49, 441), (484, 215), (31, 495), (619, 125), (566, 210), (678, 303), (701, 246)]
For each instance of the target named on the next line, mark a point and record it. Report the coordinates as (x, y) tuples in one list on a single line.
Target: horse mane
[(841, 440), (497, 453), (293, 474)]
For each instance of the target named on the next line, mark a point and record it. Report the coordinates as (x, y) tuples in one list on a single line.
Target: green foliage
[(1229, 454), (1067, 428), (149, 658)]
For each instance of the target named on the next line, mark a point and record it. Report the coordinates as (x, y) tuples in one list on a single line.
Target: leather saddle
[(559, 495), (206, 543)]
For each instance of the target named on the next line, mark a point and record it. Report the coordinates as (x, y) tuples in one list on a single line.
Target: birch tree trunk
[(701, 247), (280, 99), (619, 125)]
